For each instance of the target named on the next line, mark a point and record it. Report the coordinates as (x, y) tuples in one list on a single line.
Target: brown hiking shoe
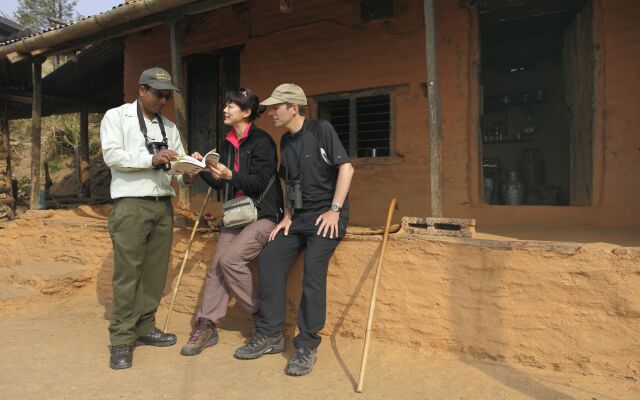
[(203, 335)]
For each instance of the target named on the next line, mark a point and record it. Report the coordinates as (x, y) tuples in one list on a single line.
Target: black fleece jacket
[(258, 162)]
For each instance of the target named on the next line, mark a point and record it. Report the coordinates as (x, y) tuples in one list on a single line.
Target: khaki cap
[(157, 78), (286, 93)]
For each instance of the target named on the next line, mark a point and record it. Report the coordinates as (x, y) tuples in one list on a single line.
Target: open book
[(189, 165)]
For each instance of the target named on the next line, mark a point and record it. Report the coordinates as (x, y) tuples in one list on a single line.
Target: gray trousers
[(229, 273)]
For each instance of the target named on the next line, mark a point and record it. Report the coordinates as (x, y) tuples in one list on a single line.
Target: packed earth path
[(55, 347)]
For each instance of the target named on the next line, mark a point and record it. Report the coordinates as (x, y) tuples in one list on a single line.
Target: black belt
[(151, 198)]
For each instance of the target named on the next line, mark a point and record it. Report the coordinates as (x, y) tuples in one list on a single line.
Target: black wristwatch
[(335, 207)]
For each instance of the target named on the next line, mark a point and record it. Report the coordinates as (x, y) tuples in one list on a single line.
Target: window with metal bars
[(361, 120)]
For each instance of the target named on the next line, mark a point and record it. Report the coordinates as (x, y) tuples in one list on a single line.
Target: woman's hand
[(197, 156), (284, 224), (220, 171)]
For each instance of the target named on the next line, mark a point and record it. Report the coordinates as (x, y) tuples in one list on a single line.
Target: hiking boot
[(203, 335), (302, 361), (260, 344), (157, 338), (121, 356)]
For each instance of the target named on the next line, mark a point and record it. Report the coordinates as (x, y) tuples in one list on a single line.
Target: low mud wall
[(545, 305)]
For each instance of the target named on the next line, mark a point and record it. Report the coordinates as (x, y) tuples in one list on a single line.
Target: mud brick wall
[(326, 48), (545, 305)]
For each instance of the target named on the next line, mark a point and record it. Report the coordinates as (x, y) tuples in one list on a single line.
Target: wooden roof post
[(5, 165), (85, 171), (175, 25), (36, 133), (435, 119)]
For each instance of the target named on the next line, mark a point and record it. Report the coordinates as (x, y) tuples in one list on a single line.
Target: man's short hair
[(302, 110)]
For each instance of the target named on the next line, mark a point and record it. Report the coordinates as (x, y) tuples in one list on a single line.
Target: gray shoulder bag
[(241, 211)]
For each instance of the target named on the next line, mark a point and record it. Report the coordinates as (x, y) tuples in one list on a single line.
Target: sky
[(84, 7)]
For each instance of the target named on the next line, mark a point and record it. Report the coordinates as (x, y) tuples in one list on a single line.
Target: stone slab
[(437, 226)]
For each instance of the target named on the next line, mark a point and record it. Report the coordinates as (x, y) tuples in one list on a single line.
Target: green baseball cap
[(156, 78), (286, 93)]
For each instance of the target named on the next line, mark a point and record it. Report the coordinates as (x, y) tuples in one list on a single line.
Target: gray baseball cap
[(157, 78), (286, 93)]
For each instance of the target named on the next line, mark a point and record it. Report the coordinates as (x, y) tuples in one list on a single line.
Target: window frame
[(352, 96)]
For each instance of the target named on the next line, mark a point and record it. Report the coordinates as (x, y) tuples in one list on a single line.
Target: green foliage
[(55, 164), (35, 13), (60, 137), (24, 188)]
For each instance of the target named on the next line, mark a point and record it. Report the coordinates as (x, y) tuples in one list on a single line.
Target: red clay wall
[(324, 47)]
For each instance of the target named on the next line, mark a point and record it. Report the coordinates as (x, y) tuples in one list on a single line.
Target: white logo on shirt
[(324, 156)]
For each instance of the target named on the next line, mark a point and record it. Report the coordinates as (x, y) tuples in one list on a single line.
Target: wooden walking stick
[(372, 305), (184, 260)]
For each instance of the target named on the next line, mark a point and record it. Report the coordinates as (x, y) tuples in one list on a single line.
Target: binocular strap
[(143, 126)]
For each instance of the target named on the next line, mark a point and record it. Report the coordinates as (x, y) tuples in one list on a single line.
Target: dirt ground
[(55, 342), (55, 347)]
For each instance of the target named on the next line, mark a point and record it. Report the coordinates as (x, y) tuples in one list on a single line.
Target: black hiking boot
[(157, 338), (260, 344), (121, 356), (302, 361)]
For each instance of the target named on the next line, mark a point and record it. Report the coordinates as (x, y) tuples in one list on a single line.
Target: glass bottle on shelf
[(513, 190), (529, 127), (497, 132)]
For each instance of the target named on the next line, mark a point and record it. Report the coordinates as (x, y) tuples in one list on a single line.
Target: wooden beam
[(176, 76), (178, 98), (435, 119), (6, 149), (28, 99), (15, 57), (36, 132), (38, 52), (85, 171), (76, 103)]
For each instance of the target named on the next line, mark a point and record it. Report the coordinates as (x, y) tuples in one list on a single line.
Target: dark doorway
[(537, 102), (209, 77)]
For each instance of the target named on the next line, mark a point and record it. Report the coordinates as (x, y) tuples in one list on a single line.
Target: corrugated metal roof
[(13, 26), (96, 79), (15, 76), (9, 29), (96, 68)]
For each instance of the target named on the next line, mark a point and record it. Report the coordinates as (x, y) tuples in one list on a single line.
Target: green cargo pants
[(141, 230)]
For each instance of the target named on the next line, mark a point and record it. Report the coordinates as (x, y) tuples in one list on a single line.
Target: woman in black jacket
[(248, 161)]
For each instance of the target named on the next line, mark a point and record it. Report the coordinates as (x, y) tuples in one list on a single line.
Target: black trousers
[(275, 262)]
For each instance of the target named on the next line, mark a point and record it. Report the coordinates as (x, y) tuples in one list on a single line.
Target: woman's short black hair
[(246, 99)]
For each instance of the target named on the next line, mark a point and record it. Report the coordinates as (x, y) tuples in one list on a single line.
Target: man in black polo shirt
[(317, 174)]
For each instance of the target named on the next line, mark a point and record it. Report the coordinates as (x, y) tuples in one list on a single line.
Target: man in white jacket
[(138, 143)]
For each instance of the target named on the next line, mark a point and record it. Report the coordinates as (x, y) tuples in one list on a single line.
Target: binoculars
[(155, 148), (294, 194)]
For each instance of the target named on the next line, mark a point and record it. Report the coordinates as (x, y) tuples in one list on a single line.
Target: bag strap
[(226, 183), (264, 192), (143, 126)]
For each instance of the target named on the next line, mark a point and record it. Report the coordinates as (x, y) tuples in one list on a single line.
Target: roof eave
[(54, 41)]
